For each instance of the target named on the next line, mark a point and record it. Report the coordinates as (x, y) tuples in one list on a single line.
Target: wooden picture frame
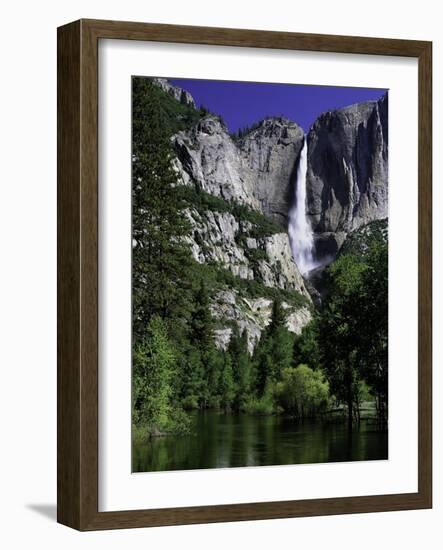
[(78, 274)]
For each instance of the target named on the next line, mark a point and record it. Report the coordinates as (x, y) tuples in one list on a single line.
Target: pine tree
[(201, 323), (201, 340), (227, 385), (263, 364), (339, 329), (241, 363), (160, 278), (193, 378), (278, 318), (154, 368), (274, 351), (306, 347)]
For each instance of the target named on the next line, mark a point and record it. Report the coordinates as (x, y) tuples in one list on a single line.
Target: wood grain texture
[(68, 276), (254, 38), (78, 271), (425, 274)]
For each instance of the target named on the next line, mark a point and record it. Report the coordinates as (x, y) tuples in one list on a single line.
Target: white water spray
[(299, 228)]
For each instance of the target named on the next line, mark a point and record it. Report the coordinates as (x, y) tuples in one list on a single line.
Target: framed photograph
[(244, 275)]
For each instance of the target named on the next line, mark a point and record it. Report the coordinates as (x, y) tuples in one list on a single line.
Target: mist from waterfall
[(299, 228)]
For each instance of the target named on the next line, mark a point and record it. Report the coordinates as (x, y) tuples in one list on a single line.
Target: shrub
[(302, 392), (260, 407)]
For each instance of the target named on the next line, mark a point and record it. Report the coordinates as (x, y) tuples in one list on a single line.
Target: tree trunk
[(350, 413)]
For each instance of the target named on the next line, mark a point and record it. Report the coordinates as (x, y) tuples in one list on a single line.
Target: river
[(220, 440)]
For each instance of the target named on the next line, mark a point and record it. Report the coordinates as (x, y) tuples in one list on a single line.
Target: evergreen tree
[(306, 347), (278, 317), (263, 364), (193, 378), (161, 259), (358, 298), (201, 324), (373, 311), (274, 351), (338, 331), (241, 362), (154, 368), (202, 344), (227, 384)]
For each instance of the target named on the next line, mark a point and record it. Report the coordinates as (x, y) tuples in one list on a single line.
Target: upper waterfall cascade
[(299, 228)]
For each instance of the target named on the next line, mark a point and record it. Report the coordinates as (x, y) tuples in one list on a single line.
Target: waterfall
[(299, 228)]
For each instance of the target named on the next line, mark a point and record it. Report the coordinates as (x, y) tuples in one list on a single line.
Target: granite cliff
[(347, 177), (256, 169), (243, 230), (347, 167), (241, 188)]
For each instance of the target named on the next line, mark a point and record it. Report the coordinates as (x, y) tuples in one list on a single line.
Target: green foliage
[(255, 256), (161, 259), (153, 370), (274, 351), (372, 350), (174, 115), (302, 392), (192, 377), (306, 346), (217, 278), (353, 324), (201, 323), (244, 131), (202, 201), (261, 406), (242, 371), (262, 226), (205, 363), (359, 242), (176, 365), (227, 384)]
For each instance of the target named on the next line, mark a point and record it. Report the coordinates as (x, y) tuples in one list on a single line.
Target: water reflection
[(221, 441)]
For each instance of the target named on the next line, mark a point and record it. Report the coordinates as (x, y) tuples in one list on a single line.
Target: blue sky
[(243, 103)]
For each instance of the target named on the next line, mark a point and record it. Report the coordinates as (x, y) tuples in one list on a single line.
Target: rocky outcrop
[(252, 315), (210, 158), (347, 178), (177, 93), (214, 241), (256, 170), (221, 238), (346, 187), (358, 242), (278, 269), (270, 152), (347, 166)]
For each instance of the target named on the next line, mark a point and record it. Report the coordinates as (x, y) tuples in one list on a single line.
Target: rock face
[(252, 315), (279, 269), (210, 158), (347, 178), (220, 238), (358, 241), (346, 187), (178, 93), (256, 170), (271, 152)]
